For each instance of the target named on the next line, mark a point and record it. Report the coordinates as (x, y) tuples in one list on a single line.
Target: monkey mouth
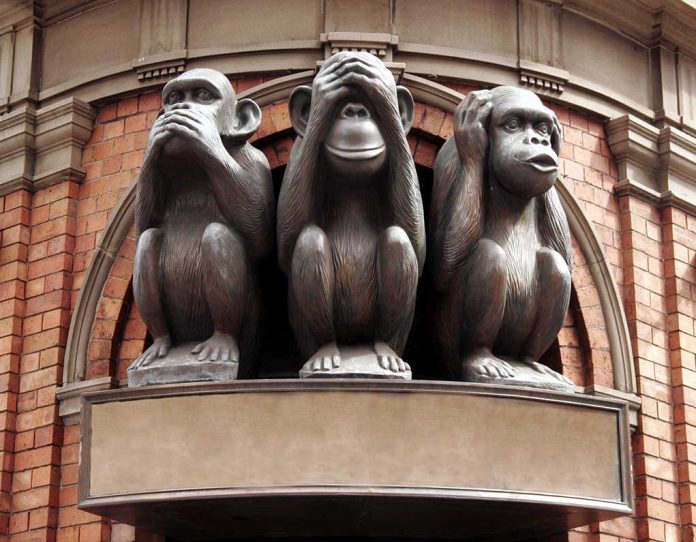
[(356, 154), (542, 162)]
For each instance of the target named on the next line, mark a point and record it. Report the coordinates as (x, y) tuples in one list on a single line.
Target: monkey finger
[(197, 116), (184, 121), (336, 362), (215, 353), (183, 131), (225, 354), (196, 349), (359, 67)]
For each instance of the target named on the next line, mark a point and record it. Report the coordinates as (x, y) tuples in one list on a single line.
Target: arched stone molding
[(426, 92)]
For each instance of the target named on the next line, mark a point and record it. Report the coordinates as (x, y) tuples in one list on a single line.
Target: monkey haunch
[(204, 217), (350, 217), (499, 238)]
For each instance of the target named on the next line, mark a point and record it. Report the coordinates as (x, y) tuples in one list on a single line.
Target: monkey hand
[(367, 73), (158, 137), (470, 121), (327, 90), (198, 128)]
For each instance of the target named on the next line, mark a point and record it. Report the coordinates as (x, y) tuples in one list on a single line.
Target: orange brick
[(149, 102), (127, 107)]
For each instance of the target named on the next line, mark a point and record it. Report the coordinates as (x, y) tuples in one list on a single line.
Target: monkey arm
[(297, 199), (242, 187), (553, 225), (456, 213), (150, 199), (405, 197)]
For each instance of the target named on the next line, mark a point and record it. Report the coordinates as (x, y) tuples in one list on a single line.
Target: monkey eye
[(543, 128), (173, 98), (512, 124), (203, 95)]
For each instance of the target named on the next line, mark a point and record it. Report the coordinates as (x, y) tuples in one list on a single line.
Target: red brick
[(127, 107)]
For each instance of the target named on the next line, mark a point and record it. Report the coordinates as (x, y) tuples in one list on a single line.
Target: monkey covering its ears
[(499, 243)]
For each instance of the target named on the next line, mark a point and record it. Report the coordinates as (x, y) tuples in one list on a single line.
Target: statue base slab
[(524, 376), (315, 458), (179, 366), (357, 361)]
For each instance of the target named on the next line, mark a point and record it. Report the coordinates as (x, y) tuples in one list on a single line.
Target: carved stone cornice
[(656, 164), (42, 147), (17, 149)]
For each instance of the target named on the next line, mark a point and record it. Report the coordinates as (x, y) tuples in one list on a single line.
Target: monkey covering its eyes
[(204, 219), (350, 219), (499, 240)]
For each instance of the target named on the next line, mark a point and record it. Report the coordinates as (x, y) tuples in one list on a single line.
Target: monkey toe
[(220, 347), (325, 359), (549, 371), (482, 363)]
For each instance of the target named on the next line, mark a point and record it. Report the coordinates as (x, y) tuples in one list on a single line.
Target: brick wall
[(48, 240)]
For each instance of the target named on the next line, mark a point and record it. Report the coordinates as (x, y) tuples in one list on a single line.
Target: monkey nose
[(354, 110)]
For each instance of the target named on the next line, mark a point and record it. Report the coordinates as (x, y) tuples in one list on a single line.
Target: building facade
[(80, 84)]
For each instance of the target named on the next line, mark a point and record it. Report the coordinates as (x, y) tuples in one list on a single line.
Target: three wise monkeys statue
[(349, 233)]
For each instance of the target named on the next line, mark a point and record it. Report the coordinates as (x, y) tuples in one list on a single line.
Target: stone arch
[(436, 104)]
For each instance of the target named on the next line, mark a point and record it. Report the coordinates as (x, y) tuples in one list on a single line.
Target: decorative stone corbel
[(70, 396), (379, 44), (17, 149), (42, 147), (656, 164), (62, 129), (540, 46), (162, 51)]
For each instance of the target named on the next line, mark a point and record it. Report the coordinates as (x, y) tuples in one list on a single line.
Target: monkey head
[(356, 90), (208, 94), (525, 138)]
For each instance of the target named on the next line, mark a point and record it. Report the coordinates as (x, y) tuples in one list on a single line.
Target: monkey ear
[(405, 100), (556, 136), (299, 104), (246, 121)]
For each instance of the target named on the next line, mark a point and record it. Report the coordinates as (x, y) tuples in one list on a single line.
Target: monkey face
[(201, 105), (354, 147), (524, 143)]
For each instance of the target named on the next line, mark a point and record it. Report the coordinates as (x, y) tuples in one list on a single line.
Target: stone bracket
[(42, 147), (159, 66), (70, 397), (540, 77), (655, 164), (378, 44)]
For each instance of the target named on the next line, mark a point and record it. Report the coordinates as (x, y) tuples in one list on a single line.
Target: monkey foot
[(220, 347), (389, 360), (543, 369), (325, 359), (158, 349), (482, 363)]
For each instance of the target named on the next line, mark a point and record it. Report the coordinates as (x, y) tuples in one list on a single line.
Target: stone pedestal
[(357, 362), (350, 458), (179, 366)]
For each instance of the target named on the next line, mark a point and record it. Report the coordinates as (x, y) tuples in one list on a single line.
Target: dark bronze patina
[(350, 220), (499, 241), (204, 218)]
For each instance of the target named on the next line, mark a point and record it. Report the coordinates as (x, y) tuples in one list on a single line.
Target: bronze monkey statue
[(350, 220), (499, 240), (204, 219)]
